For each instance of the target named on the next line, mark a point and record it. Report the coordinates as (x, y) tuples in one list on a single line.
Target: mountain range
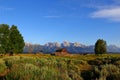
[(75, 47)]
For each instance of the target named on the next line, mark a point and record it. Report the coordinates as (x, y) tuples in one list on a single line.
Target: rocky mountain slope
[(76, 47)]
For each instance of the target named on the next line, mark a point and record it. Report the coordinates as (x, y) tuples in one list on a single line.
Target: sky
[(83, 21)]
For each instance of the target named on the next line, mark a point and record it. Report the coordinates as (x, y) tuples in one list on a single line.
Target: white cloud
[(108, 13), (5, 9), (109, 10)]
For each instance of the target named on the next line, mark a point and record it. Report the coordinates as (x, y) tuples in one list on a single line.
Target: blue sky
[(84, 21)]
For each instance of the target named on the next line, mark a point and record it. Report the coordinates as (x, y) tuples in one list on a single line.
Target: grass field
[(70, 67)]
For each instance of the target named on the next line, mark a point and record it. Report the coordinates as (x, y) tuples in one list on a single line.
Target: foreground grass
[(71, 67)]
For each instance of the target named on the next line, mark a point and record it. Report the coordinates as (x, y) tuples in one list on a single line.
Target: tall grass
[(3, 67), (35, 68), (46, 67)]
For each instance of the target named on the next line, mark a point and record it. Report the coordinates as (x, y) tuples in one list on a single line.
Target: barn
[(61, 52)]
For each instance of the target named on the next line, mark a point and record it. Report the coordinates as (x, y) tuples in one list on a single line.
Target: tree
[(4, 38), (10, 39), (100, 47), (16, 40)]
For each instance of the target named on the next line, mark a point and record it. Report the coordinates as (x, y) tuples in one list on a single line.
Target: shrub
[(95, 62), (23, 72), (2, 66), (117, 63), (73, 71), (110, 72), (47, 73), (87, 75)]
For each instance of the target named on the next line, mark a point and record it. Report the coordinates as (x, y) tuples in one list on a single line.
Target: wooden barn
[(61, 52)]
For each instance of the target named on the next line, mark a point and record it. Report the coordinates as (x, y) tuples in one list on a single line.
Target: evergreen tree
[(16, 40), (100, 47), (4, 38)]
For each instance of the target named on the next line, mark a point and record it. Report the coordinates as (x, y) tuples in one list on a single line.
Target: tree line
[(11, 40)]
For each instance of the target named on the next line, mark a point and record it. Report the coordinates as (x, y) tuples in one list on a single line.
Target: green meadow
[(70, 67)]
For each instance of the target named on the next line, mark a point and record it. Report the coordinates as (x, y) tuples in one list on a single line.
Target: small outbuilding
[(61, 52)]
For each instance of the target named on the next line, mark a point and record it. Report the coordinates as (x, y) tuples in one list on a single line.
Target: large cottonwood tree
[(100, 47), (11, 39)]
